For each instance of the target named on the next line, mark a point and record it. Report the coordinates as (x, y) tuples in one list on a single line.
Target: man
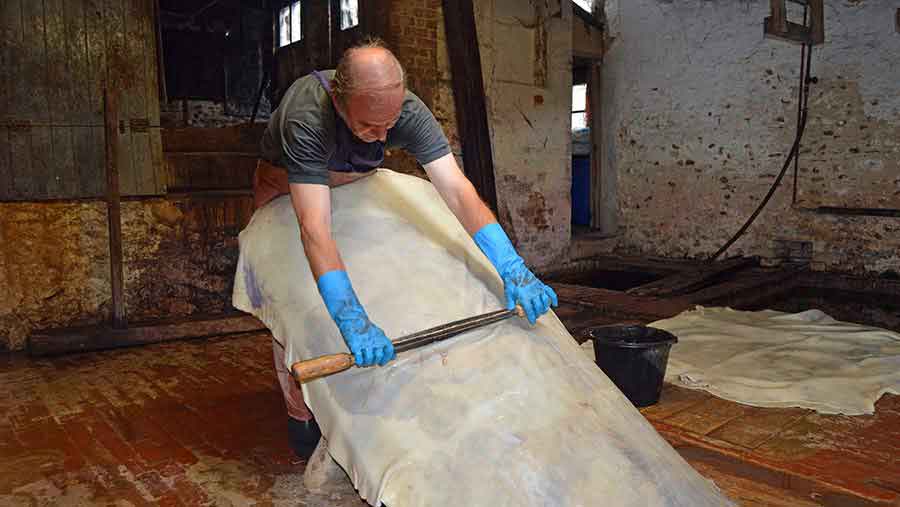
[(331, 128)]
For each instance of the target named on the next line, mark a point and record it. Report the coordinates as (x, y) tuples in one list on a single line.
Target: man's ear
[(334, 100)]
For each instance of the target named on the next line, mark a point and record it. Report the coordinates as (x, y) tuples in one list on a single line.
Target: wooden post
[(468, 95), (113, 201), (816, 22), (778, 18), (599, 219)]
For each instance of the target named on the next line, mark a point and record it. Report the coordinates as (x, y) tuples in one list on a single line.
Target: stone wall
[(179, 259), (700, 113)]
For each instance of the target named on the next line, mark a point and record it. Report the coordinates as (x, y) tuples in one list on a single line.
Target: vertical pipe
[(114, 213)]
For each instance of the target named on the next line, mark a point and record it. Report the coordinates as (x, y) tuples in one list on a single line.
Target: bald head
[(369, 69), (368, 90)]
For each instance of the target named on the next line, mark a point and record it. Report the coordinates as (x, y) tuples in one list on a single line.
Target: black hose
[(795, 148), (799, 113)]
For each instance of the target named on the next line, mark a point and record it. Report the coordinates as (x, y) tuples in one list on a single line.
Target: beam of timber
[(603, 219), (778, 19), (816, 22), (235, 139), (620, 305), (238, 154), (750, 288), (176, 193), (468, 95), (113, 207), (587, 40), (651, 265), (684, 282), (838, 281), (86, 339)]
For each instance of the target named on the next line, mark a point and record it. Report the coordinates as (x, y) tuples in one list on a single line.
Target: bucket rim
[(623, 343)]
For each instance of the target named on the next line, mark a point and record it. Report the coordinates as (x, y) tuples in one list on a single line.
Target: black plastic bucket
[(634, 358)]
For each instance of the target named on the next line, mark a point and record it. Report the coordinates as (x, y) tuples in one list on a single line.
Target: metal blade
[(442, 332)]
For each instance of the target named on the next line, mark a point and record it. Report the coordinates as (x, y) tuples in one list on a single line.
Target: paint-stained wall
[(700, 113)]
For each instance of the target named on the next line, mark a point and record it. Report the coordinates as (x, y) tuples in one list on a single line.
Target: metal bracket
[(139, 124)]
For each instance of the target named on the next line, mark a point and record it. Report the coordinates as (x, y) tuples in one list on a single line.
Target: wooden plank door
[(57, 58)]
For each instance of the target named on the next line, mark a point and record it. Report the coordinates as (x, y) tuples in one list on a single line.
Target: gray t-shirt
[(300, 135)]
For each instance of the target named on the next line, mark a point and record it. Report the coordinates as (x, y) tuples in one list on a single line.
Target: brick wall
[(413, 37)]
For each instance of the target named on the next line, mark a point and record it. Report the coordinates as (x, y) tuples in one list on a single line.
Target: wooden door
[(57, 58)]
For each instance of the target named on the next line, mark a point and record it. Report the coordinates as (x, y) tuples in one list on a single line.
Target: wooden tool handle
[(321, 366)]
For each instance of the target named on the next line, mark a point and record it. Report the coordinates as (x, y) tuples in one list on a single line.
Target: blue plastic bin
[(581, 190)]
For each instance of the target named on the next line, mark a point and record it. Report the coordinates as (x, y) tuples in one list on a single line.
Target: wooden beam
[(468, 95), (580, 269), (113, 207), (86, 339), (839, 281), (750, 287), (778, 19), (587, 40), (816, 22), (776, 26), (602, 218), (619, 305), (686, 281), (236, 139)]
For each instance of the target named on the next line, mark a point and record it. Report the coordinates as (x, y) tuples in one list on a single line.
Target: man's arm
[(367, 342), (520, 285), (459, 194), (312, 204)]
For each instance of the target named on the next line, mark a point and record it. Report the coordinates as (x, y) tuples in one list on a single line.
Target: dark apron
[(351, 154)]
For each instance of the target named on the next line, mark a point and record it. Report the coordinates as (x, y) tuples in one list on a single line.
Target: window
[(584, 4), (289, 30), (349, 13), (579, 107)]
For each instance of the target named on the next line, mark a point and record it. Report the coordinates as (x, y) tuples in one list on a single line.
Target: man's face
[(370, 114)]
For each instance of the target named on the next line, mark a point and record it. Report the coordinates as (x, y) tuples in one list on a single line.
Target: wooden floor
[(203, 423)]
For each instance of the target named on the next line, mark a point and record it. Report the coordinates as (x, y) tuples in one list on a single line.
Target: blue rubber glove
[(519, 283), (366, 341)]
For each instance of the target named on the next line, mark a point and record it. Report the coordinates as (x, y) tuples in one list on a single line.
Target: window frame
[(291, 7), (580, 111), (340, 14)]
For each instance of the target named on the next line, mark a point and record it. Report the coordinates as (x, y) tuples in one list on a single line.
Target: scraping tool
[(333, 363)]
